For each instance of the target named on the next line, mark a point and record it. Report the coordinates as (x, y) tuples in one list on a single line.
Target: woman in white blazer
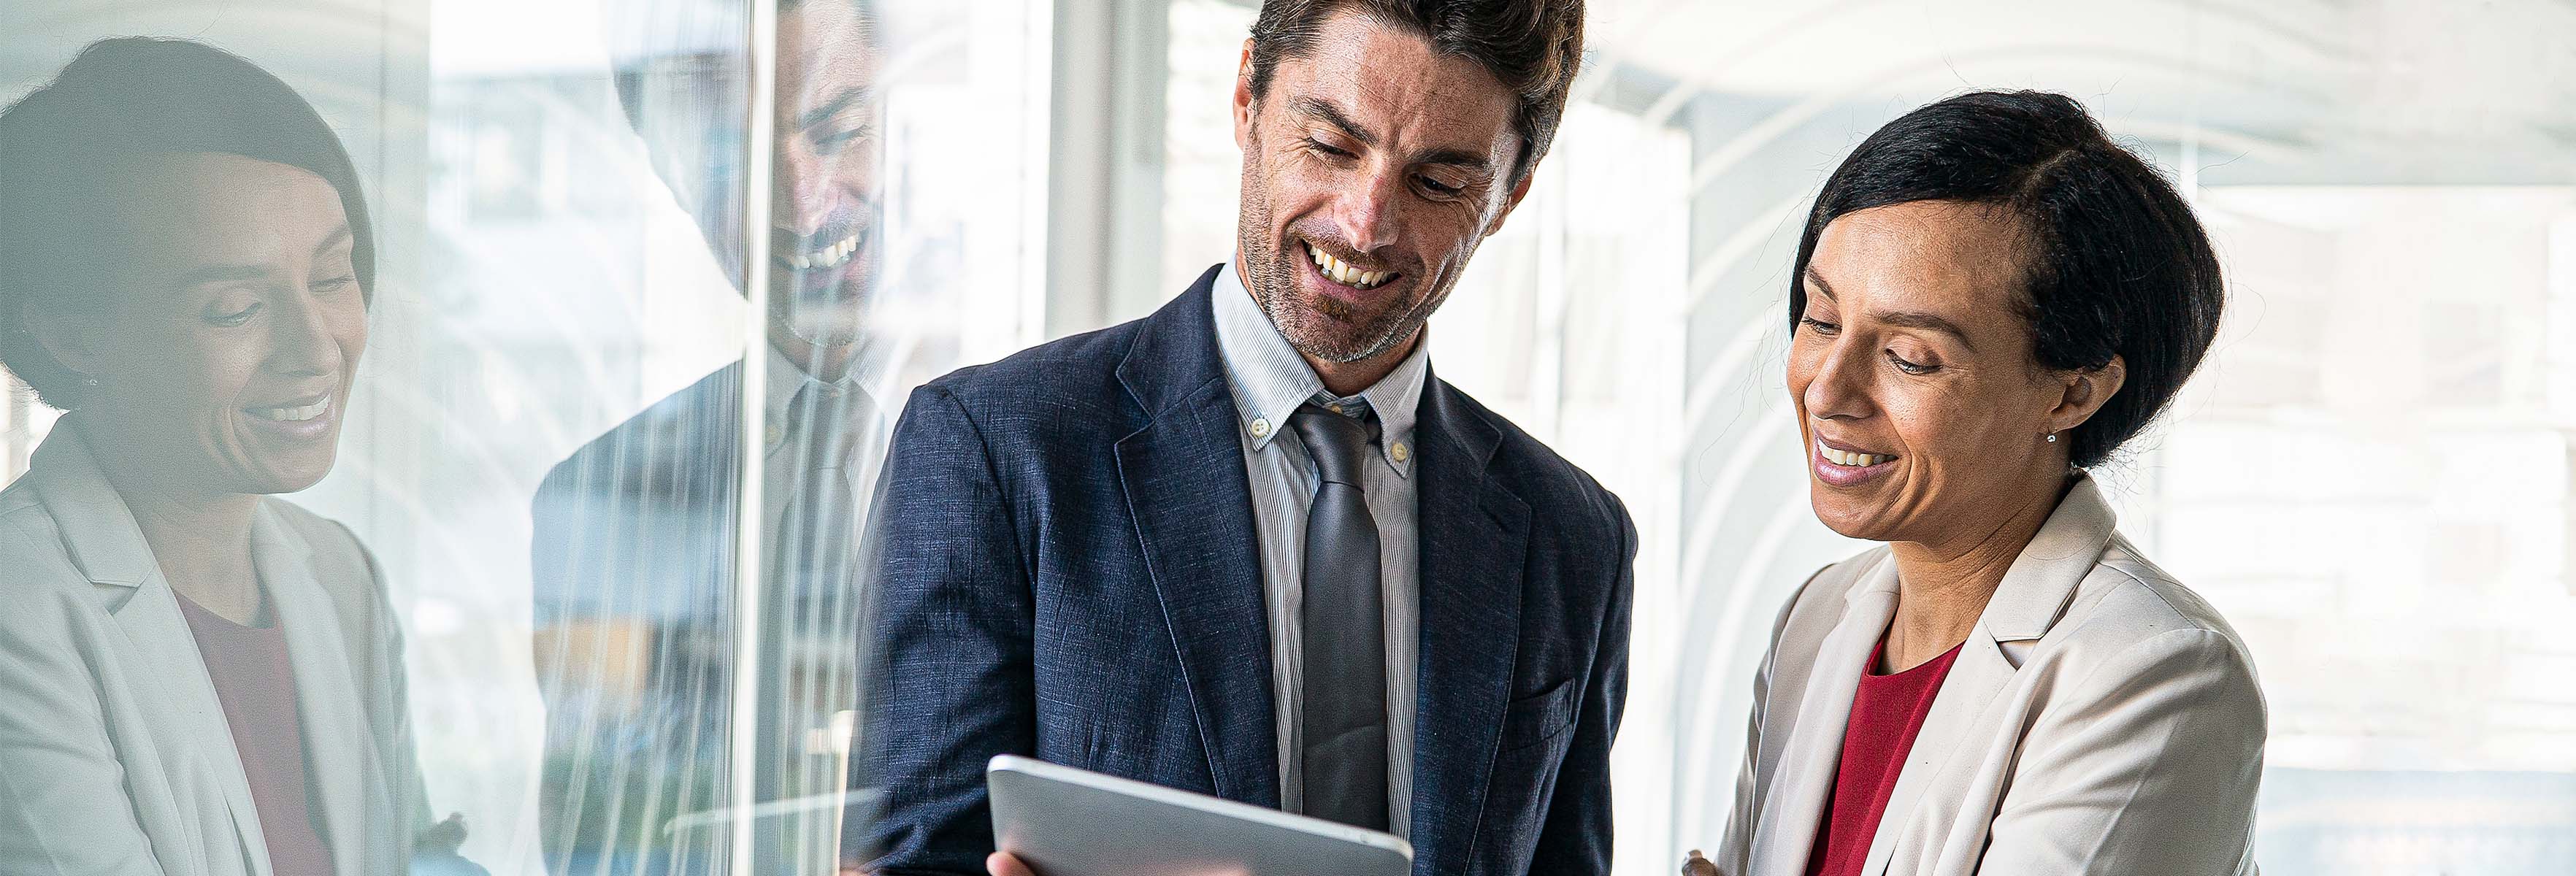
[(1990, 297), (184, 269)]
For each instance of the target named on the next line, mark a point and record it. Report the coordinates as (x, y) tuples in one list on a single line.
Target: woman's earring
[(2052, 436), (92, 382)]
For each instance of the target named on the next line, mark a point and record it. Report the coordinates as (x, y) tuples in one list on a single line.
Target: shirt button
[(1336, 408), (1260, 428), (1401, 452)]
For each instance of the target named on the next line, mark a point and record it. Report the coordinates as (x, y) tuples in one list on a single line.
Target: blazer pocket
[(1541, 717)]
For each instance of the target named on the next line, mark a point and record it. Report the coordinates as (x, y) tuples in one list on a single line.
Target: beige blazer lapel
[(107, 545), (2030, 599), (1805, 773), (343, 768)]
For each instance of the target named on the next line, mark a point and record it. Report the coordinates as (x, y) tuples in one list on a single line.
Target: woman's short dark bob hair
[(2118, 265), (65, 147)]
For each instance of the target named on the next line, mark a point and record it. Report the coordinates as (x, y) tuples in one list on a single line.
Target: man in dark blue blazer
[(1249, 545)]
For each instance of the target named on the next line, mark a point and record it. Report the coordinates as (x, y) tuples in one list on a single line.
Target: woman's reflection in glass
[(203, 678)]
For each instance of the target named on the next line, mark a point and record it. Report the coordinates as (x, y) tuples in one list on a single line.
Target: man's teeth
[(1339, 272), (297, 414), (1852, 460), (833, 256)]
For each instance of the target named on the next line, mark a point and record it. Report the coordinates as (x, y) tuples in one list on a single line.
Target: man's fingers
[(1002, 864)]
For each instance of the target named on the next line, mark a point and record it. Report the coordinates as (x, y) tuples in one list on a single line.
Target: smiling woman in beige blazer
[(195, 677), (1989, 298)]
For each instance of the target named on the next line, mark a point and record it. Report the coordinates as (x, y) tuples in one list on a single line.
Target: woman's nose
[(301, 340), (1839, 387)]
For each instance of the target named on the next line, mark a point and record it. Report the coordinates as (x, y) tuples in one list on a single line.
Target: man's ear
[(2086, 391), (1243, 99), (1511, 201)]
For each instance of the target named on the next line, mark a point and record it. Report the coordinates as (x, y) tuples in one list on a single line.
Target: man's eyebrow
[(1332, 115), (824, 113), (1459, 158)]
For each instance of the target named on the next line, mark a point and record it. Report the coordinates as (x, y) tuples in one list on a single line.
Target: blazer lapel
[(1474, 534), (1805, 774), (1186, 487), (108, 546), (2033, 594), (340, 765)]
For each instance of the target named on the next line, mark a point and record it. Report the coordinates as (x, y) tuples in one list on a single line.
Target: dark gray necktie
[(1345, 629)]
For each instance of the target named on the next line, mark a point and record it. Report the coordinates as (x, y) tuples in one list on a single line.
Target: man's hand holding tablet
[(1053, 820)]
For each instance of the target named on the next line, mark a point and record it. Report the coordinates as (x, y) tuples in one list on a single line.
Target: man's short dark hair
[(2117, 264), (67, 146), (1533, 46)]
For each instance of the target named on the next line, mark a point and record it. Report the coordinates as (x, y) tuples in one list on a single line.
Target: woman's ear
[(2086, 390), (71, 342)]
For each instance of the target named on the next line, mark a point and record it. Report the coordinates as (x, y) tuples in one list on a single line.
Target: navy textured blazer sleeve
[(1576, 834), (953, 625)]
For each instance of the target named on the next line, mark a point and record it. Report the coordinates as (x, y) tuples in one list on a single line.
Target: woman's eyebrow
[(337, 237), (1916, 319), (226, 273)]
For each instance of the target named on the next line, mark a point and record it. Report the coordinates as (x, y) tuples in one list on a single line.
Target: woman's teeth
[(1339, 272), (296, 414), (1852, 460), (833, 256)]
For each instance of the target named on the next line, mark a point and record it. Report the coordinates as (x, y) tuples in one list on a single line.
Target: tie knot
[(1338, 442)]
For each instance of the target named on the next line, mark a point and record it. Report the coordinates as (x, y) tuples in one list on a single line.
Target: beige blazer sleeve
[(2146, 765), (69, 804), (1734, 848), (2100, 719)]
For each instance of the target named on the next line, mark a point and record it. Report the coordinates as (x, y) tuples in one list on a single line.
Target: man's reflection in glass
[(195, 675), (634, 534)]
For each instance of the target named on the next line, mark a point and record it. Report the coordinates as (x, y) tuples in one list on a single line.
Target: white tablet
[(1064, 821)]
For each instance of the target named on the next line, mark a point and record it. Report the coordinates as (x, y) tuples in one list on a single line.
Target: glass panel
[(528, 533)]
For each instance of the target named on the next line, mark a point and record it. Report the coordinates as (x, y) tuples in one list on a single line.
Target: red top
[(257, 687), (1885, 715)]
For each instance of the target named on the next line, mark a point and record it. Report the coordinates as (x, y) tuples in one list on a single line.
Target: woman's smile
[(1842, 465), (293, 421)]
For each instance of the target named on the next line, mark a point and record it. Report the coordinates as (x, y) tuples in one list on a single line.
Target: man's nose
[(1365, 212), (800, 190)]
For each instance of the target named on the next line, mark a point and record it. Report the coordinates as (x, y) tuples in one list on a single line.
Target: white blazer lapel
[(2026, 603), (339, 761), (1805, 774), (103, 540)]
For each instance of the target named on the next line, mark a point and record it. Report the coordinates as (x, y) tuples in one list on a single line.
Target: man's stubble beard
[(1323, 330)]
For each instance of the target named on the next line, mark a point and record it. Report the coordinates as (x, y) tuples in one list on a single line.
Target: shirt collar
[(1270, 380), (786, 379)]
